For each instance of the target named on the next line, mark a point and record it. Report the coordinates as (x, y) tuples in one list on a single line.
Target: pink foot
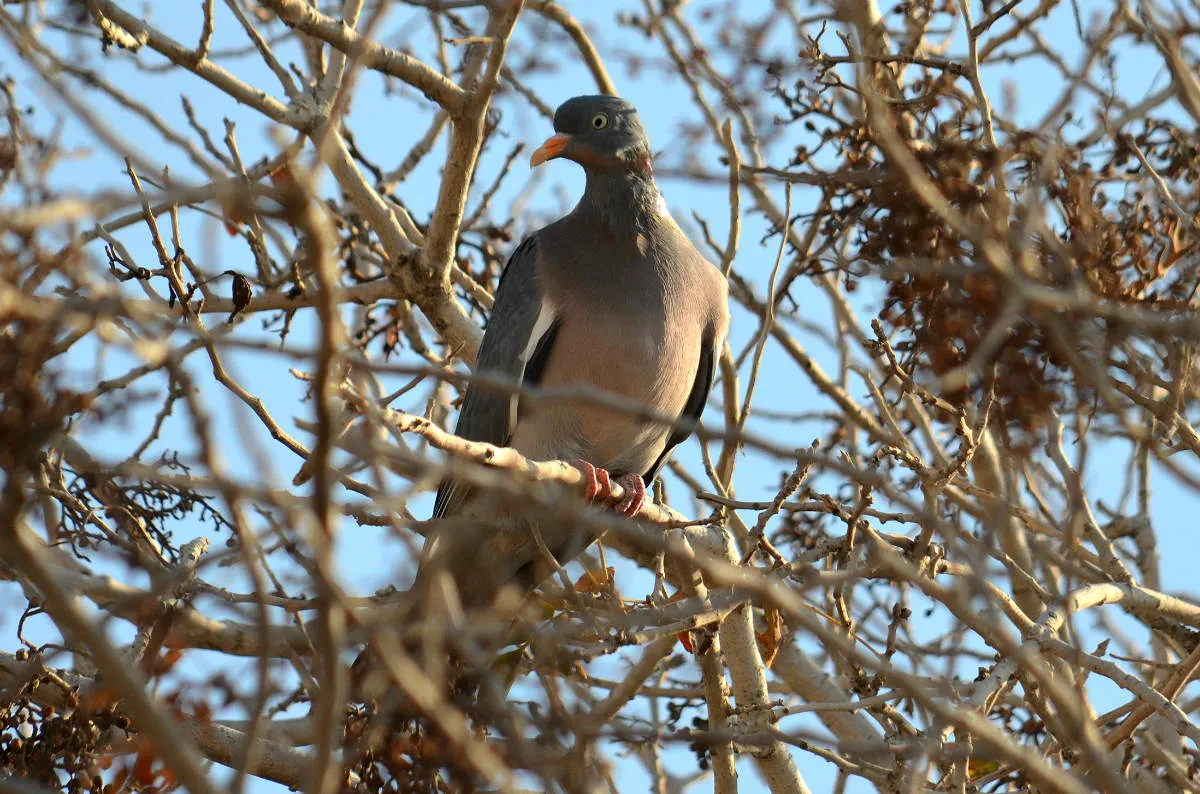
[(596, 483), (597, 486), (635, 494)]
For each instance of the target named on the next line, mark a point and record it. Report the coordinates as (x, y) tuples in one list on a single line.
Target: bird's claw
[(634, 496), (596, 482), (605, 481), (597, 487)]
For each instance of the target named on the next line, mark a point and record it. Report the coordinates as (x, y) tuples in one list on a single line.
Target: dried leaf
[(143, 765), (509, 658), (8, 153), (591, 582), (281, 176), (769, 640), (168, 660), (98, 698), (234, 214), (977, 768)]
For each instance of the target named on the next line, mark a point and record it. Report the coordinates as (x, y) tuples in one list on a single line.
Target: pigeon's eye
[(599, 121)]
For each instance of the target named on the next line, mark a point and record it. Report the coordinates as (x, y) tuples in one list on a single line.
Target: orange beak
[(553, 147)]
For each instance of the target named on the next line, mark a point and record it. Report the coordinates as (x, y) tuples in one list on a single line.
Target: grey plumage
[(486, 414), (612, 296)]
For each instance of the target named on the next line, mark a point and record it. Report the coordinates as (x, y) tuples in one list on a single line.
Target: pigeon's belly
[(639, 368)]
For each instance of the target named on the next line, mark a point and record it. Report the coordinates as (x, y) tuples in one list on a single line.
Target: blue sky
[(384, 129)]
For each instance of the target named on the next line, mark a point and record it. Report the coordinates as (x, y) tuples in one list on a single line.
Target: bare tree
[(247, 249)]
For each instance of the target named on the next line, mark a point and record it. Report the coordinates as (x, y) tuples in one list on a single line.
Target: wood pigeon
[(613, 297)]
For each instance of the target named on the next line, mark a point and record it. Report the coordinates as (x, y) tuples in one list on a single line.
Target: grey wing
[(694, 407), (509, 351)]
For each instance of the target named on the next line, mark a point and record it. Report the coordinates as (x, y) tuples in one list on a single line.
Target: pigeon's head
[(598, 132)]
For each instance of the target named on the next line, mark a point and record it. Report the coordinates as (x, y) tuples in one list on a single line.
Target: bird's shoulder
[(515, 310), (521, 267)]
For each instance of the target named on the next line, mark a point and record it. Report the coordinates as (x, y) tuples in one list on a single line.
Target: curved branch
[(201, 67), (370, 54), (556, 13)]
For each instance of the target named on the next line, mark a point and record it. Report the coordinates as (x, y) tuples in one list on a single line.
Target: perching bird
[(614, 297)]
